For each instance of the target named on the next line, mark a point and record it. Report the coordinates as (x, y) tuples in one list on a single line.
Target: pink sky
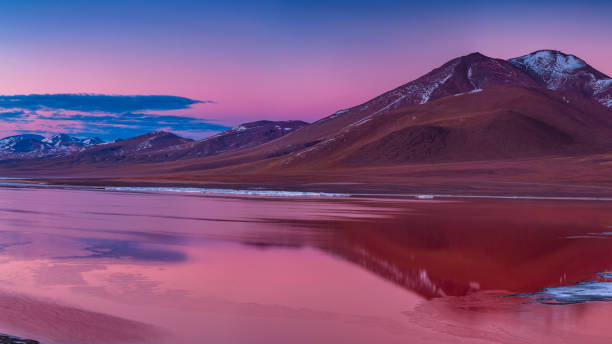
[(284, 62)]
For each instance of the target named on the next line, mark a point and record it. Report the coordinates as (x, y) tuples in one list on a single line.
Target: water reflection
[(121, 249), (311, 270), (454, 248)]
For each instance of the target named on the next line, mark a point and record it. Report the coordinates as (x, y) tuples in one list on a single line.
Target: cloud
[(105, 116), (12, 114), (132, 124), (96, 102)]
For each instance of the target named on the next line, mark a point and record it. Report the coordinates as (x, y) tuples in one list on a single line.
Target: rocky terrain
[(547, 114)]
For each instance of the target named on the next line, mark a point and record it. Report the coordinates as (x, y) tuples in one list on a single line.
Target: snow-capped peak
[(59, 139), (553, 67), (67, 140), (543, 60), (558, 71), (90, 141), (11, 140), (36, 146)]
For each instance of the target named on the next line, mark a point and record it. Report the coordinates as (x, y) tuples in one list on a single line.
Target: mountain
[(472, 108), (558, 71), (470, 73), (542, 112), (19, 143), (243, 136), (506, 122), (22, 145), (136, 148), (63, 140), (30, 146), (164, 146), (91, 141)]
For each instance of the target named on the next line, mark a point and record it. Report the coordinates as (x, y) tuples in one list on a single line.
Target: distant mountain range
[(30, 146), (154, 146), (473, 108)]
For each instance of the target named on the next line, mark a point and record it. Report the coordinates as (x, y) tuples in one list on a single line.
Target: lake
[(81, 265)]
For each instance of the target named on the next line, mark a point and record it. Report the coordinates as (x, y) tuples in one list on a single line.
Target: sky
[(224, 63)]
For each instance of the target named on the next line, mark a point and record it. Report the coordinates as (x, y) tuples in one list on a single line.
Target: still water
[(94, 266)]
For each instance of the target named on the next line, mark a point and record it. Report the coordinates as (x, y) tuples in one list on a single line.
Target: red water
[(89, 266)]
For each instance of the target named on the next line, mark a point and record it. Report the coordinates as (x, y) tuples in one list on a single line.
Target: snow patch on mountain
[(90, 141), (559, 71), (36, 146), (427, 93), (553, 67), (58, 139), (417, 92), (547, 61), (9, 142), (607, 101), (146, 144), (385, 108), (600, 86)]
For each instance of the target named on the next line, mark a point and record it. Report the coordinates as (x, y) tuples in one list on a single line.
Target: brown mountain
[(243, 136), (500, 123), (136, 148), (474, 112), (469, 73), (162, 146), (471, 108)]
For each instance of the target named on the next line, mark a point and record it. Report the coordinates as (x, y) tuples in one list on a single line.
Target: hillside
[(542, 118)]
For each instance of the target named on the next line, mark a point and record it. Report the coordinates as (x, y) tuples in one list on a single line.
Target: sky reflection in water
[(154, 267)]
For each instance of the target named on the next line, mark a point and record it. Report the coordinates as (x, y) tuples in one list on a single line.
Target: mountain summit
[(470, 73), (559, 71), (550, 69)]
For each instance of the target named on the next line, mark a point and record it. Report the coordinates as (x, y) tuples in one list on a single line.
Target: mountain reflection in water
[(169, 268)]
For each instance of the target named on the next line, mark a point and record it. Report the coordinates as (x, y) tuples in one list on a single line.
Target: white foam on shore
[(8, 182), (599, 290), (226, 191), (280, 193)]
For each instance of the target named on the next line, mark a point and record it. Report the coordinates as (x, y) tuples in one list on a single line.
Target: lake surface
[(94, 266)]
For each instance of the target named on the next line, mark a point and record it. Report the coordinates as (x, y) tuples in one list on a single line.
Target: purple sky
[(260, 60)]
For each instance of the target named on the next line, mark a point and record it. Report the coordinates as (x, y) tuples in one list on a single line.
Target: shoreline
[(245, 190)]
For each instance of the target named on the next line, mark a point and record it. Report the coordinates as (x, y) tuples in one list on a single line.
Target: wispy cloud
[(97, 102), (105, 116)]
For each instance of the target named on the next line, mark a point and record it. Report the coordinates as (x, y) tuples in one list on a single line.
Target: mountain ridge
[(30, 146), (556, 70), (158, 145), (470, 110)]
